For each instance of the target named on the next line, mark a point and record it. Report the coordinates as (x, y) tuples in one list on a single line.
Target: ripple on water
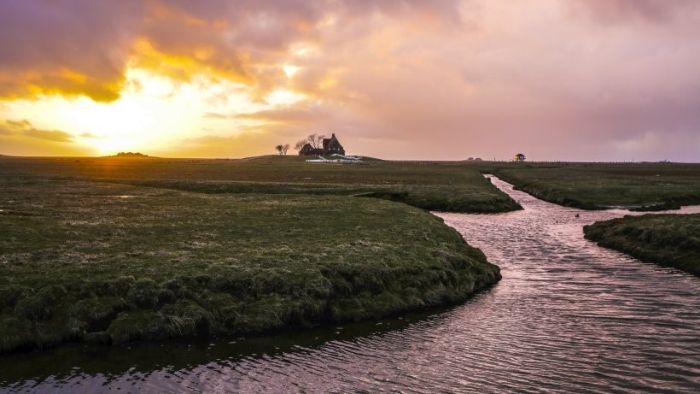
[(567, 316)]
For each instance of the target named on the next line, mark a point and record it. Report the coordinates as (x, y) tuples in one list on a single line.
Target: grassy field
[(446, 186), (111, 250), (669, 240), (110, 263), (638, 186)]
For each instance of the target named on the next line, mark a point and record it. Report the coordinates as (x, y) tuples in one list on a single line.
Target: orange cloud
[(25, 128), (186, 67), (20, 137)]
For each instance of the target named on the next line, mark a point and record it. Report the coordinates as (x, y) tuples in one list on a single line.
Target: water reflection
[(567, 316)]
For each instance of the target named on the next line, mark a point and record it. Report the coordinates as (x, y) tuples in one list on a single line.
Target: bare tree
[(285, 148), (279, 148), (319, 140), (315, 140), (311, 139)]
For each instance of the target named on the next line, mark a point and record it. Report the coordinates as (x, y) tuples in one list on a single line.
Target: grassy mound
[(639, 187), (669, 240), (112, 263)]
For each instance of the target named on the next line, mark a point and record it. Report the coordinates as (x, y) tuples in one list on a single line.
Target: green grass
[(436, 186), (639, 186), (669, 240), (111, 263)]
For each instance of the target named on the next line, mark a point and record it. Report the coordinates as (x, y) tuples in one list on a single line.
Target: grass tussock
[(114, 263), (669, 240)]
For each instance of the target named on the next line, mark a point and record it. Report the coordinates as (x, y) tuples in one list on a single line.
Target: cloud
[(17, 124), (79, 47), (20, 137), (25, 128), (75, 47), (51, 135), (299, 114), (532, 77), (216, 115), (581, 79), (650, 11)]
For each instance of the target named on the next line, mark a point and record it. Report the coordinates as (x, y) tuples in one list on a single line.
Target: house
[(519, 157), (331, 146)]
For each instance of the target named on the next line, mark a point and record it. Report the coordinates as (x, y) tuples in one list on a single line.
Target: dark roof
[(330, 146)]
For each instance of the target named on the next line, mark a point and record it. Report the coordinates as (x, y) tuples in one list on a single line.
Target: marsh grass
[(669, 240), (436, 186), (638, 186), (113, 263)]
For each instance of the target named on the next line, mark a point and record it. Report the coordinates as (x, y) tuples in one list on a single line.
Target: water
[(567, 316)]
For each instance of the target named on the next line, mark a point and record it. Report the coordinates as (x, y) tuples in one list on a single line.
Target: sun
[(127, 124), (154, 114), (150, 113)]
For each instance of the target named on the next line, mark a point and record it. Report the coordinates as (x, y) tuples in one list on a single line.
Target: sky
[(584, 80)]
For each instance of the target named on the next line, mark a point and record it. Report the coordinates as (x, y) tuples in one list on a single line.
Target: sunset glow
[(613, 80)]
